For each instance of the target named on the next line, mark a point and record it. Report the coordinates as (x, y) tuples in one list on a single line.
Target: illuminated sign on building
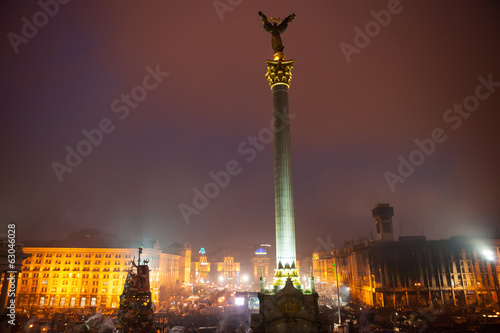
[(260, 252), (202, 251)]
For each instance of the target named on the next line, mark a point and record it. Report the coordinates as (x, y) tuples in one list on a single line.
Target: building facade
[(201, 270), (323, 270), (413, 271), (226, 271), (260, 265), (58, 277)]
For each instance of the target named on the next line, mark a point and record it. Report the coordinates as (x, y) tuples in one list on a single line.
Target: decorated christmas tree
[(136, 312)]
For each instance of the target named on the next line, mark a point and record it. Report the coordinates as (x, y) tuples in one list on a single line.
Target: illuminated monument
[(279, 75), (287, 306)]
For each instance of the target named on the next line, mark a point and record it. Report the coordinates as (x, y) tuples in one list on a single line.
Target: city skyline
[(359, 99)]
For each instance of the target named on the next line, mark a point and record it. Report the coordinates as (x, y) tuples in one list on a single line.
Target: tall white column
[(279, 75)]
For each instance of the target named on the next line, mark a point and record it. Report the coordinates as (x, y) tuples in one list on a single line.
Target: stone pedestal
[(288, 311)]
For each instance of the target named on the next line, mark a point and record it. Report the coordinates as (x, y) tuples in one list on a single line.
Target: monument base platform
[(289, 310)]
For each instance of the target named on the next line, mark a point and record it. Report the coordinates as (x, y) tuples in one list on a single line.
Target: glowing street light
[(488, 255)]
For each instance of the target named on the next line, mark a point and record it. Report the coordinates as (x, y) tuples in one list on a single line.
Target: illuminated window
[(104, 290), (51, 301), (75, 283), (62, 301), (93, 301), (55, 282), (72, 302), (65, 283), (83, 300), (84, 283)]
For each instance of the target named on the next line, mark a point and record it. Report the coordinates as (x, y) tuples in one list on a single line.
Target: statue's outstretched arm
[(264, 17), (267, 26)]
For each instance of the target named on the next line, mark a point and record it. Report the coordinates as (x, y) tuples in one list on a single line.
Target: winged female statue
[(276, 30)]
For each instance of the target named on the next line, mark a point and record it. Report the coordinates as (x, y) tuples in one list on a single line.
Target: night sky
[(359, 100)]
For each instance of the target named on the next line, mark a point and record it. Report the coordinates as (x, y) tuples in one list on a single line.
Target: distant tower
[(383, 214)]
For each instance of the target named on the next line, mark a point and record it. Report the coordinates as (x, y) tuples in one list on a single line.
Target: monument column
[(288, 307), (279, 75)]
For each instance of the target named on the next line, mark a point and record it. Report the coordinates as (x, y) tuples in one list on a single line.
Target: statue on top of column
[(276, 29)]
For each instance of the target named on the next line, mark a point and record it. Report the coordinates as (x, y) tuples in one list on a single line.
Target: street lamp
[(338, 291), (417, 284)]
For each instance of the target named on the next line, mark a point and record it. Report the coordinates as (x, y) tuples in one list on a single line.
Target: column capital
[(279, 72)]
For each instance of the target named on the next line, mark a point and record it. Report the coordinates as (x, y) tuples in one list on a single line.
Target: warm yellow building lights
[(87, 277)]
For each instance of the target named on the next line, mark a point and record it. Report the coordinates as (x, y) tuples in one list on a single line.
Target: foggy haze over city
[(171, 97)]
